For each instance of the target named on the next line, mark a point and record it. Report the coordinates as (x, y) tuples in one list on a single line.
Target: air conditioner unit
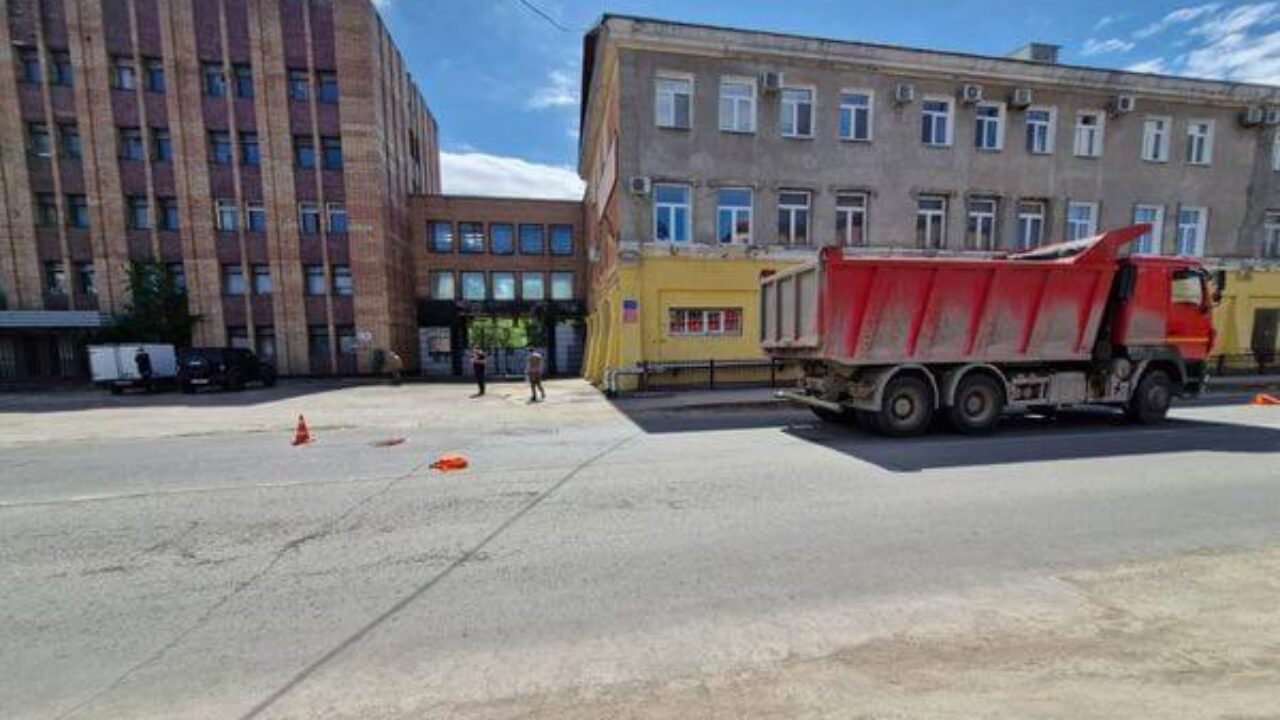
[(772, 81), (904, 93), (1252, 116), (1021, 97), (640, 185), (1122, 104), (1272, 116), (971, 93)]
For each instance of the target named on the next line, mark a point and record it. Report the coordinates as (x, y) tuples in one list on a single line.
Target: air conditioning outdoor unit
[(1021, 97), (971, 93), (1122, 104), (640, 185), (1272, 116), (772, 81), (1252, 116), (904, 93)]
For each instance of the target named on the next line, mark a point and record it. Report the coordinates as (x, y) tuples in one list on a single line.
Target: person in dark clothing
[(533, 370), (143, 360), (478, 362)]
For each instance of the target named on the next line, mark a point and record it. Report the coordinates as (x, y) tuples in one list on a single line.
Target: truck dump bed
[(1043, 305)]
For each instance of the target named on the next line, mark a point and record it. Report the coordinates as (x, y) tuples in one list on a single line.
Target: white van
[(115, 367)]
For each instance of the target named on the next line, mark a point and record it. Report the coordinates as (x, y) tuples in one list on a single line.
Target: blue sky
[(503, 82)]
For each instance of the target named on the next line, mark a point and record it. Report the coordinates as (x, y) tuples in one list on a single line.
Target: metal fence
[(711, 374)]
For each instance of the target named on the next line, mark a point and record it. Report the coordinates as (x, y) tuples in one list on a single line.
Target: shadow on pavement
[(82, 397)]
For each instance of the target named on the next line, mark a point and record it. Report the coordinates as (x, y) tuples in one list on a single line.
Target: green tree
[(158, 312)]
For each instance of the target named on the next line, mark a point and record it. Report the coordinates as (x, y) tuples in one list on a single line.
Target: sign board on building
[(630, 311)]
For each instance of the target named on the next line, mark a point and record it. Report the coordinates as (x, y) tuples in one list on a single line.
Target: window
[(672, 213), (155, 75), (501, 238), (1200, 142), (238, 337), (30, 60), (63, 74), (673, 106), (1030, 224), (318, 346), (441, 236), (342, 285), (69, 134), (684, 322), (980, 231), (232, 280), (733, 215), (249, 152), (161, 146), (504, 286), (261, 279), (561, 239), (1155, 139), (86, 278), (55, 278), (793, 217), (304, 152), (797, 112), (1088, 139), (255, 216), (332, 148), (931, 222), (77, 211), (299, 85), (442, 285), (40, 140), (220, 148), (1082, 220), (327, 90), (308, 218), (1275, 152), (124, 76), (851, 219), (228, 215), (989, 126), (265, 345), (179, 275), (244, 81), (337, 213), (1040, 126), (346, 339), (167, 214), (215, 82), (532, 286), (46, 210), (738, 105), (1191, 230), (1271, 235), (561, 286), (139, 212), (471, 237), (935, 122), (313, 279), (855, 115), (531, 240), (1149, 243), (473, 286), (132, 146)]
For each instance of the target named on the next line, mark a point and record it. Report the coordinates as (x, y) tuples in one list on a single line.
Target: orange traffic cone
[(1264, 399), (302, 435)]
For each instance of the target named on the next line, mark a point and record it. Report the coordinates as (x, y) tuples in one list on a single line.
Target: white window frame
[(1201, 227), (1275, 152), (1271, 234), (848, 212), (984, 241), (793, 210), (853, 110), (1050, 131), (932, 217), (668, 207), (1090, 227), (981, 122), (1097, 133), (1156, 136), (795, 112), (1149, 244), (658, 92), (705, 315), (232, 209), (736, 213), (1025, 222), (1205, 140), (742, 111), (949, 116)]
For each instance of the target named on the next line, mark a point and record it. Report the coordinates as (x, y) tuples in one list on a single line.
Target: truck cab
[(1165, 308)]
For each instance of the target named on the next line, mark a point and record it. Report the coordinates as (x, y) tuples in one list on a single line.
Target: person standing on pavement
[(478, 362), (395, 366), (533, 371), (142, 359)]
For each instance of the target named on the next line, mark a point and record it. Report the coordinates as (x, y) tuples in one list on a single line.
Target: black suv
[(230, 368)]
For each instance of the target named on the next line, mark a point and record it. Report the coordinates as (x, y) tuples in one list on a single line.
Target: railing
[(711, 374)]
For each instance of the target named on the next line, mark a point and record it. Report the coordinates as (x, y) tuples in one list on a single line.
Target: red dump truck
[(891, 341)]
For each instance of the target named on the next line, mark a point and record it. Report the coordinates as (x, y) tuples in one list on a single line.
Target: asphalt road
[(589, 547)]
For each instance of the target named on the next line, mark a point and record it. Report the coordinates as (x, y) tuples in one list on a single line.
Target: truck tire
[(977, 405), (906, 408), (1150, 403)]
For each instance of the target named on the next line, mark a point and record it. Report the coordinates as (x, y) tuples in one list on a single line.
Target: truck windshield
[(1187, 288)]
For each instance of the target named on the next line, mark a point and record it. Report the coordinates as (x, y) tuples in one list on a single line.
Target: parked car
[(229, 368)]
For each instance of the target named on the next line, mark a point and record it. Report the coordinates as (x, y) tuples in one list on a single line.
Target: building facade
[(713, 154), (265, 151), (505, 274)]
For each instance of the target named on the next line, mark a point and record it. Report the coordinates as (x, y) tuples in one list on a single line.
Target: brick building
[(265, 150), (516, 266)]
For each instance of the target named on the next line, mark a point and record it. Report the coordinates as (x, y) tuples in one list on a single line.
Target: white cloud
[(1177, 17), (475, 173), (560, 91), (1238, 57), (1238, 20), (1240, 43), (1154, 65), (1100, 47), (1103, 21)]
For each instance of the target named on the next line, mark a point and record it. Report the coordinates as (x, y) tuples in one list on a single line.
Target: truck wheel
[(977, 406), (1151, 402), (906, 407)]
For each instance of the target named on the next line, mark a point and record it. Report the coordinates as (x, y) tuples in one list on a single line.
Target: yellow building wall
[(1247, 291)]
